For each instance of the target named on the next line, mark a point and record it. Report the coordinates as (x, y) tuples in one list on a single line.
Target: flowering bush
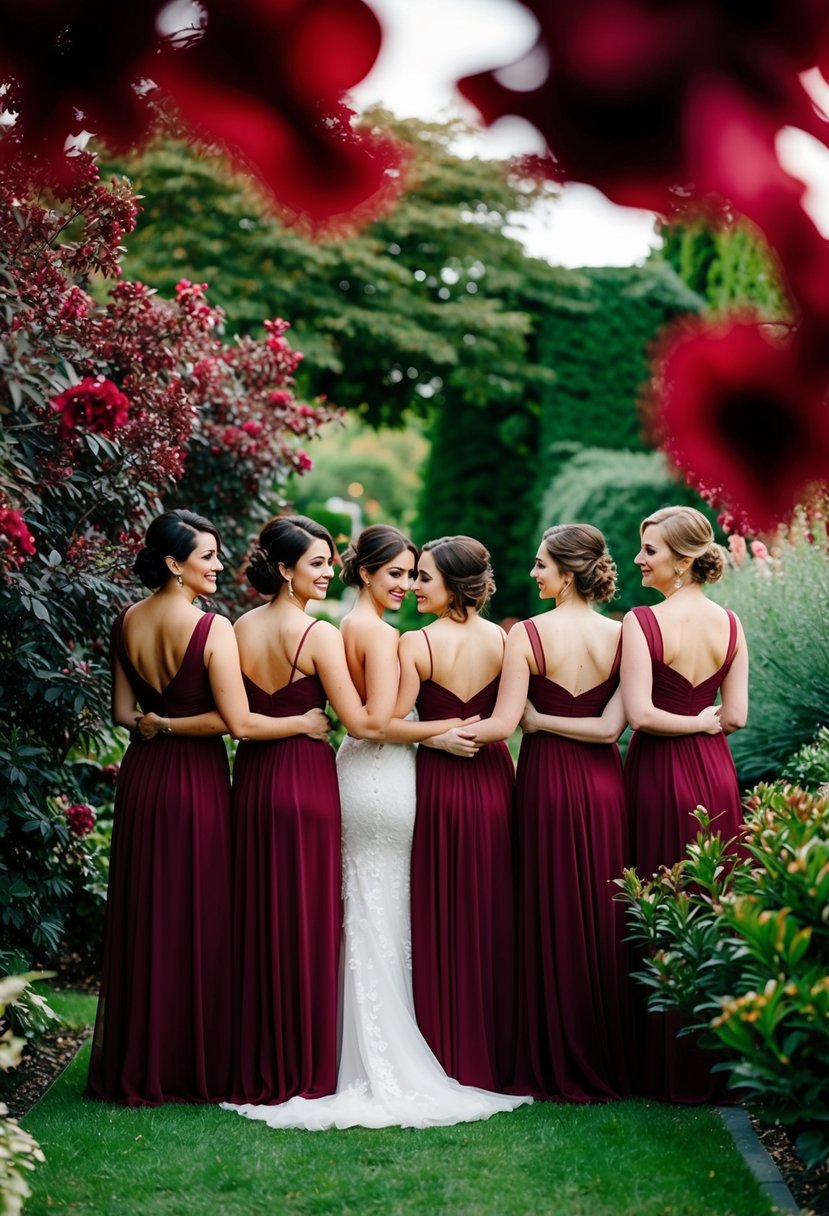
[(742, 945), (19, 1152), (780, 591), (110, 403)]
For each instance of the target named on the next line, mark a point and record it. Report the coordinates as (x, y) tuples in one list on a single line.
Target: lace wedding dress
[(388, 1075)]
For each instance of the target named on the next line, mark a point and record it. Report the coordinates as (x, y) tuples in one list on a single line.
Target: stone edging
[(757, 1159)]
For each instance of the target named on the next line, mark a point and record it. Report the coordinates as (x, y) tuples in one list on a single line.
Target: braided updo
[(689, 534), (172, 534), (581, 550), (463, 564), (283, 540), (376, 546)]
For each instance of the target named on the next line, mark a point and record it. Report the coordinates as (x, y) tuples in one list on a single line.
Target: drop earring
[(179, 580), (291, 587), (677, 580)]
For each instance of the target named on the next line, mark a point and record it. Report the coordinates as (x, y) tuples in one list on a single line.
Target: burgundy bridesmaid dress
[(288, 877), (463, 917), (666, 779), (575, 1001), (163, 1028)]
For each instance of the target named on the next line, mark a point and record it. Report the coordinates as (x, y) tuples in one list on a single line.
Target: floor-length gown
[(575, 1012), (666, 778), (463, 909), (286, 810), (387, 1075), (162, 1031)]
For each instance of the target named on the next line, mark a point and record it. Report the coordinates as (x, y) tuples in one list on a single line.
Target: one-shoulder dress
[(163, 1027), (463, 911), (575, 1001), (666, 778), (288, 910)]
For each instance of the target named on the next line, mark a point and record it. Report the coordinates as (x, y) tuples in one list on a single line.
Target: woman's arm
[(313, 723), (125, 711), (413, 659), (734, 689), (637, 692), (605, 729)]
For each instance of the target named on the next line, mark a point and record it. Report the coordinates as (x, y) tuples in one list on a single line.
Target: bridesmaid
[(288, 911), (463, 919), (162, 1031), (677, 656), (575, 1024)]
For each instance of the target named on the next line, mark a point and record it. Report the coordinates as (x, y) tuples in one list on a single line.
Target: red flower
[(81, 819), (16, 541), (94, 404), (745, 417), (303, 462)]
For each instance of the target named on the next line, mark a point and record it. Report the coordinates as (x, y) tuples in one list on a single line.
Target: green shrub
[(809, 767), (741, 944), (783, 603), (19, 1152), (614, 491)]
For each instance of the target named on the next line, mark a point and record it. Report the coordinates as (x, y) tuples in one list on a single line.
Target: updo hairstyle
[(375, 547), (463, 563), (581, 550), (172, 534), (283, 539), (689, 534)]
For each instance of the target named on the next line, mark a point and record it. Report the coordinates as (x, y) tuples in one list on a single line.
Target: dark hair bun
[(263, 575), (709, 566), (350, 569), (150, 567)]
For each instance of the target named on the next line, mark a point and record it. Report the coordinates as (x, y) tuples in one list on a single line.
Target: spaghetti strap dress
[(288, 910), (666, 779), (575, 999), (463, 911), (162, 1032)]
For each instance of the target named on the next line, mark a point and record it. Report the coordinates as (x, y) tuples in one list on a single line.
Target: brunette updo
[(376, 546), (689, 534), (283, 540), (463, 564), (581, 550), (172, 534)]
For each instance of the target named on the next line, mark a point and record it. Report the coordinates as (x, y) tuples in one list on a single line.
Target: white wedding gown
[(388, 1075)]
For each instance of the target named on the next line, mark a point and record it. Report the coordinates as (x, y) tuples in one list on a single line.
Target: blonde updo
[(689, 534), (581, 550), (463, 564), (374, 548)]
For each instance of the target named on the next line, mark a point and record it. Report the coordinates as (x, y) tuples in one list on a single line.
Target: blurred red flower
[(81, 819), (743, 416), (94, 405), (16, 541)]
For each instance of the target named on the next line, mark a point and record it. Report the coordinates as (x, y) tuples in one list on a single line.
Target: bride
[(388, 1075)]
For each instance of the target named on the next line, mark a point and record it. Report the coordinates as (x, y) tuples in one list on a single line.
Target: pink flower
[(745, 417), (303, 462), (93, 405), (759, 550), (81, 819), (16, 541), (737, 548)]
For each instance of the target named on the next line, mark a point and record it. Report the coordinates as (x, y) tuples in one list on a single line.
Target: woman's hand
[(150, 725), (530, 719), (458, 742), (317, 725), (709, 720)]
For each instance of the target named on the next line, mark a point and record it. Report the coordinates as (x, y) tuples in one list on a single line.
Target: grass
[(623, 1159)]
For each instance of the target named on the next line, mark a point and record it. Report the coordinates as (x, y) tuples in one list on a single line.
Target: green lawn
[(625, 1159)]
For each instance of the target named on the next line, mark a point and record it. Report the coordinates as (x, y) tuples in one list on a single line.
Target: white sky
[(429, 43)]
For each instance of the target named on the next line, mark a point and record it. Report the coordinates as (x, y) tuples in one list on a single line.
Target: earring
[(290, 587), (677, 580), (179, 580), (366, 582)]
